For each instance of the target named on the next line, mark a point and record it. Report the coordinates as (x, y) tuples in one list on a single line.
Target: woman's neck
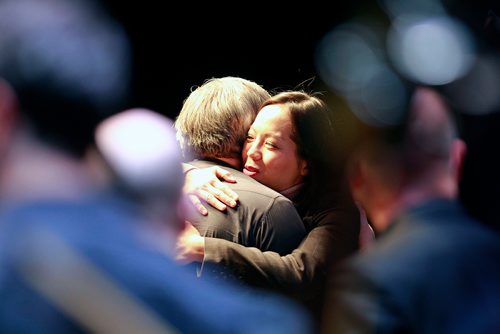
[(292, 192)]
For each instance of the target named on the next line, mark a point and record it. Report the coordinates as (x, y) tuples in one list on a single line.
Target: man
[(432, 268), (211, 128), (76, 255)]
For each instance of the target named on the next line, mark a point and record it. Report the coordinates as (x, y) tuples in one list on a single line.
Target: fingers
[(190, 245), (203, 184), (197, 204), (223, 174), (213, 200), (224, 193)]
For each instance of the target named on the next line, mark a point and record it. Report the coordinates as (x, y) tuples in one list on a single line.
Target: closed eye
[(271, 144)]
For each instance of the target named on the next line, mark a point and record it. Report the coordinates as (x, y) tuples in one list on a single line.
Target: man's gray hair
[(215, 118)]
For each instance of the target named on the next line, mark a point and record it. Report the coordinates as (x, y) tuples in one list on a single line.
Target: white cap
[(140, 146)]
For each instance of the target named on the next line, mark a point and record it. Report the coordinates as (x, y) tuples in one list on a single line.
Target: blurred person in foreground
[(432, 269), (80, 253)]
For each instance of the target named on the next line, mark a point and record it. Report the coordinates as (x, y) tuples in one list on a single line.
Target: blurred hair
[(312, 132), (140, 147), (215, 118), (68, 63)]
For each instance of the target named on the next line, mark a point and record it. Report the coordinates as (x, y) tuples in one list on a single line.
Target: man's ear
[(457, 156)]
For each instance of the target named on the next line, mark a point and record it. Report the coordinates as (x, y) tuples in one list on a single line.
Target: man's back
[(433, 271), (264, 218)]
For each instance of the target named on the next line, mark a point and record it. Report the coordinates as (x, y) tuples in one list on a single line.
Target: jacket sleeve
[(334, 236), (281, 228)]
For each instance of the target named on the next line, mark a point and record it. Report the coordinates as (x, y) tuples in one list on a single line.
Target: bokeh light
[(432, 51), (351, 60), (478, 92)]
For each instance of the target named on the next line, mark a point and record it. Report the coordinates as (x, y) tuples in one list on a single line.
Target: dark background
[(180, 44)]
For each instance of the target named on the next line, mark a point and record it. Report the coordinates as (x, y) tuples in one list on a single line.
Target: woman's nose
[(254, 152)]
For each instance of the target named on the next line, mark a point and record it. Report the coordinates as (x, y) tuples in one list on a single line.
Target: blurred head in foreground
[(142, 154), (64, 66)]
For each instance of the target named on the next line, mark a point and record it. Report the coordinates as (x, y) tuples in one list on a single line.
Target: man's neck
[(232, 162), (411, 197)]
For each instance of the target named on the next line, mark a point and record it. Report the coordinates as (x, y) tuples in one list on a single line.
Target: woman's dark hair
[(313, 133)]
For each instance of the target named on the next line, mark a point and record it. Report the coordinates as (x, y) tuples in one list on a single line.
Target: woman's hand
[(205, 183), (190, 246)]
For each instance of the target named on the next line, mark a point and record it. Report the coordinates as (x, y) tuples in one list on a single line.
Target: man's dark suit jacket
[(433, 271), (263, 218)]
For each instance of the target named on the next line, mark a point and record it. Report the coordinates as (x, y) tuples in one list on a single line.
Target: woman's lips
[(250, 171)]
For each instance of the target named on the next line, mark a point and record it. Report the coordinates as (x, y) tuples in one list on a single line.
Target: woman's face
[(269, 153)]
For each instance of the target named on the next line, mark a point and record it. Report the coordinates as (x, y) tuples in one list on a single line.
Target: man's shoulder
[(245, 186)]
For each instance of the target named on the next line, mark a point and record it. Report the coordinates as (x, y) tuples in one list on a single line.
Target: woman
[(289, 148)]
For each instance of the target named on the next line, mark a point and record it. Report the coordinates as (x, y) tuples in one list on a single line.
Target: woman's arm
[(205, 183), (303, 270)]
